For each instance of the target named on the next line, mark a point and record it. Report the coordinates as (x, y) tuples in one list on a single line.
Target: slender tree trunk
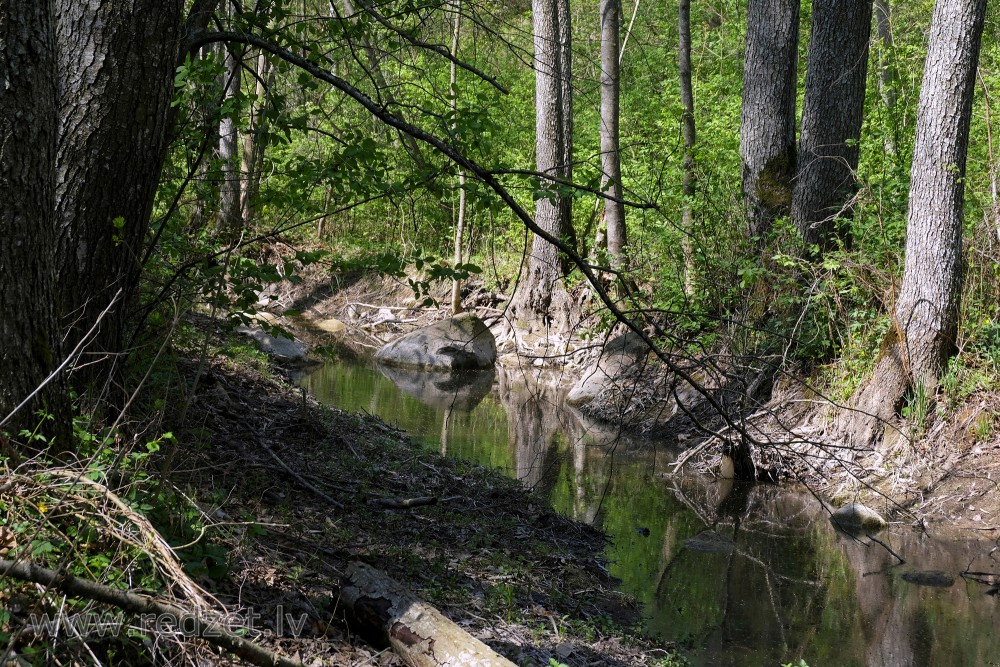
[(611, 176), (384, 91), (832, 110), (456, 286), (926, 315), (31, 347), (565, 74), (888, 77), (230, 189), (767, 122), (115, 68), (688, 135), (253, 150)]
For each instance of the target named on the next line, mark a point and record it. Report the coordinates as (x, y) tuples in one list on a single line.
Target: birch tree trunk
[(230, 188), (767, 121), (925, 320), (456, 286), (832, 110)]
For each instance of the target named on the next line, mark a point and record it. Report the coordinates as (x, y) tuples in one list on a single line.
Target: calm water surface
[(738, 576)]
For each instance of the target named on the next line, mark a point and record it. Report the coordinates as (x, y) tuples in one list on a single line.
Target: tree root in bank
[(211, 628)]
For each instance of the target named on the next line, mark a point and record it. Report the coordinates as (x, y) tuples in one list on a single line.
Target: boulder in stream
[(857, 518), (459, 343), (622, 358)]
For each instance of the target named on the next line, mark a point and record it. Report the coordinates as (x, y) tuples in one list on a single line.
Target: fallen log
[(416, 631)]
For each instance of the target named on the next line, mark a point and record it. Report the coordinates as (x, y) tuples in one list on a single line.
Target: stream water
[(738, 576)]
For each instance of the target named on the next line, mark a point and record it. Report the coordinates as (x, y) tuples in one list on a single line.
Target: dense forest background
[(764, 188)]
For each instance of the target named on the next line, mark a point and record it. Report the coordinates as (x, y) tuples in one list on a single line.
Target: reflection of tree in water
[(538, 425), (743, 587)]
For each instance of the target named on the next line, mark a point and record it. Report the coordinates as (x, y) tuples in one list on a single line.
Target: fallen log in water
[(416, 631)]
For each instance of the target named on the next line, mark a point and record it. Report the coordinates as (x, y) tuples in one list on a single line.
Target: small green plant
[(918, 409), (982, 428)]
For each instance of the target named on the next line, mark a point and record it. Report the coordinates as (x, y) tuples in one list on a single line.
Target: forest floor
[(509, 570)]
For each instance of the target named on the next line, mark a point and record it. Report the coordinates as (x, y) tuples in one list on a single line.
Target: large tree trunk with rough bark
[(115, 65), (611, 171), (832, 109), (926, 315), (767, 121), (30, 348), (540, 296)]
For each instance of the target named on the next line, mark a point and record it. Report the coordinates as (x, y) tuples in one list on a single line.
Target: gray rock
[(621, 358), (459, 343), (855, 518), (280, 347)]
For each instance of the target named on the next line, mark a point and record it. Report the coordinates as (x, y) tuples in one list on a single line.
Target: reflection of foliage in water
[(479, 436), (790, 589)]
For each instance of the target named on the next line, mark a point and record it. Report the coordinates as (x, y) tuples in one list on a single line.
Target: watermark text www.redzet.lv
[(112, 624)]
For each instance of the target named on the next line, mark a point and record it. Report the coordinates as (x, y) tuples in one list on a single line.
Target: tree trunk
[(456, 286), (832, 109), (611, 171), (230, 189), (926, 314), (30, 349), (767, 122), (565, 74), (386, 614), (253, 150), (115, 65), (688, 135), (540, 292), (888, 77)]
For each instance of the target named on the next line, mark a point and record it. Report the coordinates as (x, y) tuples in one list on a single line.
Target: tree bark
[(230, 187), (30, 349), (115, 65), (689, 136), (565, 74), (456, 286), (767, 121), (888, 76), (533, 303), (611, 171), (386, 614), (832, 110), (926, 313)]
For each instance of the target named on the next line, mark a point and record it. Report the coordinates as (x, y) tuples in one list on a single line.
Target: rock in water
[(856, 518), (621, 359), (459, 343)]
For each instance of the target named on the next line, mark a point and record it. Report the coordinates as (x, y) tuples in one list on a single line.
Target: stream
[(737, 576)]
